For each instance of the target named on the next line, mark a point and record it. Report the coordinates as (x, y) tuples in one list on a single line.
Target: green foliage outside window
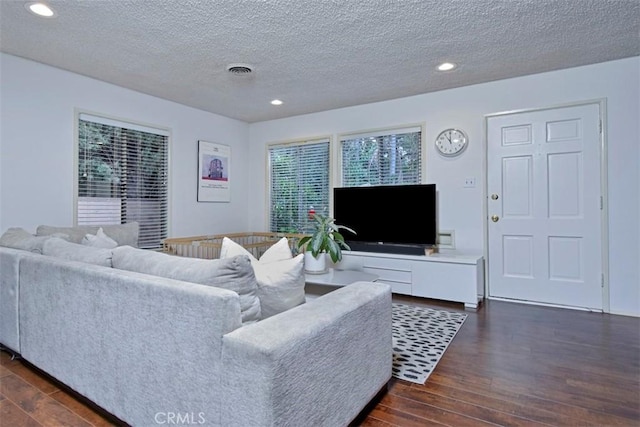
[(110, 157), (382, 160), (299, 181)]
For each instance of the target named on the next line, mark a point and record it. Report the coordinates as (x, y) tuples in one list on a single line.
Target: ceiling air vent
[(239, 69)]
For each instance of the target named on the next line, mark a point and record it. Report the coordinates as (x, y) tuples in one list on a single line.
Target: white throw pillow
[(280, 276), (99, 240), (276, 252)]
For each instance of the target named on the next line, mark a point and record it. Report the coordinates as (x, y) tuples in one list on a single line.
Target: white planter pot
[(315, 265)]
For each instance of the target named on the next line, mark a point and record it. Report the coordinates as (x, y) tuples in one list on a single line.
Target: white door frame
[(604, 211)]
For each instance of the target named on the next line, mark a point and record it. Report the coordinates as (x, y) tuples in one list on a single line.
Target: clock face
[(451, 142)]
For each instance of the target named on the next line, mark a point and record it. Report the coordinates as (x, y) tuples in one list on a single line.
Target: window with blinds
[(123, 176), (299, 182), (390, 157)]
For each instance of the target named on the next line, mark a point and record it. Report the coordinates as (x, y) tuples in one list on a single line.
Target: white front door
[(545, 206)]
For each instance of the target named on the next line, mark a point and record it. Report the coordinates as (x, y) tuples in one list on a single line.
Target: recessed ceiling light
[(446, 66), (40, 9), (276, 102)]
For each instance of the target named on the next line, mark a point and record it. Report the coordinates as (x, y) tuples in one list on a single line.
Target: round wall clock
[(451, 142)]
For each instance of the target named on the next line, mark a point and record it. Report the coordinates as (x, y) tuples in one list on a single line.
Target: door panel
[(517, 186), (544, 225)]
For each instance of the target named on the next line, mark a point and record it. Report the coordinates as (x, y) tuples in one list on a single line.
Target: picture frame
[(214, 178)]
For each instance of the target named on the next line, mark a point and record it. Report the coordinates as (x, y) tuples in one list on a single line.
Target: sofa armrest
[(317, 364)]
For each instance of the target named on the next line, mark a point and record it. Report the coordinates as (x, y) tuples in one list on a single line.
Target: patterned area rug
[(420, 337)]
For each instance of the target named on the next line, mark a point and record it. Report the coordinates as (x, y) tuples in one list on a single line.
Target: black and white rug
[(420, 337)]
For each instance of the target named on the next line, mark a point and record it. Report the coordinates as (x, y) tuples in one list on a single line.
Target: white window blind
[(390, 157), (123, 176), (299, 181)]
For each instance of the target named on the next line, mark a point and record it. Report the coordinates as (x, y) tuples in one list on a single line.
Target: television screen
[(388, 218)]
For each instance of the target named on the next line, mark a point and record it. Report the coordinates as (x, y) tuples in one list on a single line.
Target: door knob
[(494, 196), (495, 218)]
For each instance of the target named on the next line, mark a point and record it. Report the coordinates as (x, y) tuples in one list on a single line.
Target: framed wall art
[(214, 161)]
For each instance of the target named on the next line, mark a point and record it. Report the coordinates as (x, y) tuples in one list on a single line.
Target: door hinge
[(601, 203), (600, 126), (602, 280)]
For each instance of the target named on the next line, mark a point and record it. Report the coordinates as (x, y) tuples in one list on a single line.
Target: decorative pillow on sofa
[(124, 234), (233, 273), (60, 248), (19, 238), (280, 276), (99, 240), (276, 252)]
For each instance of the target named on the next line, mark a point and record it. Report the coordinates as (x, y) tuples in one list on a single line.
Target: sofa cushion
[(99, 240), (19, 238), (60, 248), (233, 273), (280, 276), (123, 234)]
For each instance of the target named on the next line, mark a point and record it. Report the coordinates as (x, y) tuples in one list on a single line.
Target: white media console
[(458, 278)]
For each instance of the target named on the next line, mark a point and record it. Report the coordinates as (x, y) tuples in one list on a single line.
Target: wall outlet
[(470, 182)]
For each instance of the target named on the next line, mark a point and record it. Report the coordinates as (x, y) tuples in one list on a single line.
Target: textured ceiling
[(315, 54)]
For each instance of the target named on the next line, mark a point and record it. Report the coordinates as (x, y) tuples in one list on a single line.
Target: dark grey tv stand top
[(388, 248)]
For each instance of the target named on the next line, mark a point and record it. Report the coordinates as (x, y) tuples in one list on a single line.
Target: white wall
[(461, 209), (37, 105)]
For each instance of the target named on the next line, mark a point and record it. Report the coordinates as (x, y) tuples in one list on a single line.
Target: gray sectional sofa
[(146, 348)]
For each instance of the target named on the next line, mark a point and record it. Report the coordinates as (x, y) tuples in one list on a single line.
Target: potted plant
[(326, 239)]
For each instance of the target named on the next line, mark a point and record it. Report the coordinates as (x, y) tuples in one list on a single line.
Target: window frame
[(125, 123), (296, 142)]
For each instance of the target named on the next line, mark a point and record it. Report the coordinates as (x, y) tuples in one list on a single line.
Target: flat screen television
[(387, 218)]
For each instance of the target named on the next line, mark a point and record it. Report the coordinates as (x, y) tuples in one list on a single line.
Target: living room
[(38, 103), (38, 159)]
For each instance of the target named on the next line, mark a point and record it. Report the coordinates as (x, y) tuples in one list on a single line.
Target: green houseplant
[(326, 238)]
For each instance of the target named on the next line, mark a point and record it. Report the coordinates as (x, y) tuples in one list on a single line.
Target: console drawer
[(387, 263), (393, 274), (386, 274)]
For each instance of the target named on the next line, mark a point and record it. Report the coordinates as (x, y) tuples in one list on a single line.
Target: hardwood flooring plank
[(432, 413), (33, 376), (398, 418), (4, 371), (12, 415), (39, 405), (563, 411), (88, 411), (521, 406), (609, 413), (373, 422), (479, 406)]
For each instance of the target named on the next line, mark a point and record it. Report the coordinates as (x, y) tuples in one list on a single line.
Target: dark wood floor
[(510, 365)]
